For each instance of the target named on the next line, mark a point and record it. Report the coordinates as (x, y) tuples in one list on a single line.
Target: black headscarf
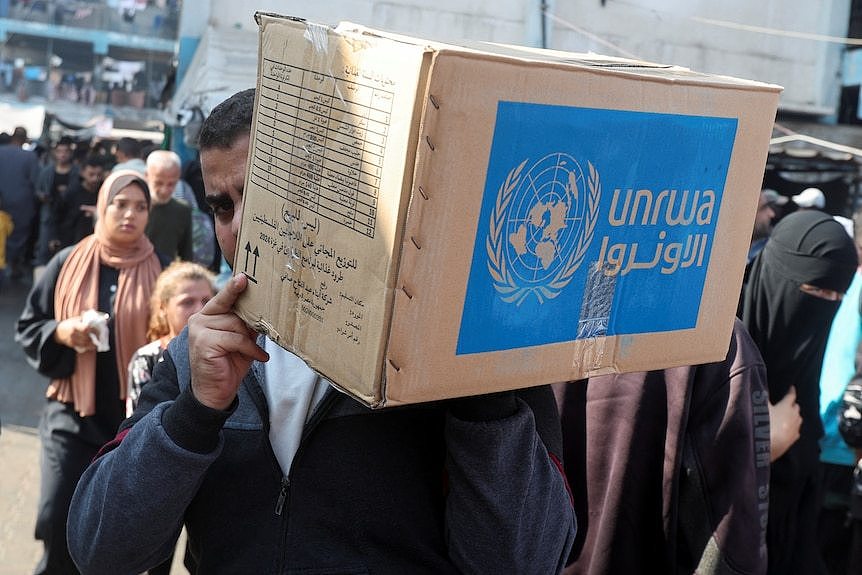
[(789, 326)]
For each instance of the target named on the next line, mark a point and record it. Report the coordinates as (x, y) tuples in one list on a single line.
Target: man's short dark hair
[(228, 121), (19, 135), (129, 147), (94, 161)]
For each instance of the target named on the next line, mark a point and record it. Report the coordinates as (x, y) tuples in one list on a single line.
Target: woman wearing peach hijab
[(82, 322)]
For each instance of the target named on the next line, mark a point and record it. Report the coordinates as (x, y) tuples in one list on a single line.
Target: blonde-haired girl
[(181, 290)]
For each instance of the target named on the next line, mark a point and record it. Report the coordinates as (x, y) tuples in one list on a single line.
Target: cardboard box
[(425, 221)]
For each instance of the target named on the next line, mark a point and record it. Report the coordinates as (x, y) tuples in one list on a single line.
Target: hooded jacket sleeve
[(170, 439), (724, 474), (509, 509)]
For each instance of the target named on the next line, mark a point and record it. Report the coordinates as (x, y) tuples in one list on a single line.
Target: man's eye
[(222, 213), (218, 204)]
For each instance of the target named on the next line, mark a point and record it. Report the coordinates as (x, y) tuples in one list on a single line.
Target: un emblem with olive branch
[(541, 226)]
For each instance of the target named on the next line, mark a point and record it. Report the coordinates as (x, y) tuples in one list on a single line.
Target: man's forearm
[(128, 508), (508, 508)]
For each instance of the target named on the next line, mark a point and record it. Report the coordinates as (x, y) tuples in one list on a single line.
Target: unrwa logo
[(541, 226)]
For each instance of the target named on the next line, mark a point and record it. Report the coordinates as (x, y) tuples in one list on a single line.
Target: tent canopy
[(29, 116), (831, 162), (224, 63)]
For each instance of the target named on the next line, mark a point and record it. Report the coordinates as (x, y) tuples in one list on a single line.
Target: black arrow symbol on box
[(256, 254)]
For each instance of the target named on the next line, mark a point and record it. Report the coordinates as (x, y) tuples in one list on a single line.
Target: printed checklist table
[(320, 142)]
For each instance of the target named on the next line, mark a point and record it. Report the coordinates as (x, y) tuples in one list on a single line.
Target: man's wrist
[(194, 426)]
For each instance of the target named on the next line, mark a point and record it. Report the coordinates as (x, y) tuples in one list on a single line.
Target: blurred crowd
[(49, 193)]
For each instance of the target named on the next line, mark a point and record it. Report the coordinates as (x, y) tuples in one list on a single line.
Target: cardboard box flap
[(260, 15), (642, 67)]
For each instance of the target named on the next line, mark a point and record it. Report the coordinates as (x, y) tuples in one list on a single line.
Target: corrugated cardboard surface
[(324, 198), (516, 262)]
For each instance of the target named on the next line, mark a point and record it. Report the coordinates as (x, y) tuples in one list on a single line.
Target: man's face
[(62, 154), (763, 219), (162, 180), (224, 177), (92, 178)]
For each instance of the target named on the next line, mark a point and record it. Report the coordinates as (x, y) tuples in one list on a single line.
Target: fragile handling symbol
[(248, 252)]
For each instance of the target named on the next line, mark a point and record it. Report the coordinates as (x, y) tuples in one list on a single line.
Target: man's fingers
[(226, 297), (224, 333), (218, 313), (230, 343), (224, 322)]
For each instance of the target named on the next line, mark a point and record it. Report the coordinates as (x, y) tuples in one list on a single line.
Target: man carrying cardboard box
[(273, 470)]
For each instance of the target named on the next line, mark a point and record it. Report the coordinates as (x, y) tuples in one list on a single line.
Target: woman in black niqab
[(809, 251)]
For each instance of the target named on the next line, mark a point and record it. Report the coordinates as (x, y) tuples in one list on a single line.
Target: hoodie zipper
[(312, 423), (259, 401), (282, 495)]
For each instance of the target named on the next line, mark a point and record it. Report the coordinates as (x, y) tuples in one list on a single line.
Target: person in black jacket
[(272, 470), (72, 216)]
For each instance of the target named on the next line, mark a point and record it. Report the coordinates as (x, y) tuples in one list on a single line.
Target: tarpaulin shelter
[(224, 63), (31, 117), (798, 161)]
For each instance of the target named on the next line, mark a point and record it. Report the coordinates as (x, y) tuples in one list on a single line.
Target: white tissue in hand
[(99, 320)]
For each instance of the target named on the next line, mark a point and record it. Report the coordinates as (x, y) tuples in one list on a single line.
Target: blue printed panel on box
[(593, 222)]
